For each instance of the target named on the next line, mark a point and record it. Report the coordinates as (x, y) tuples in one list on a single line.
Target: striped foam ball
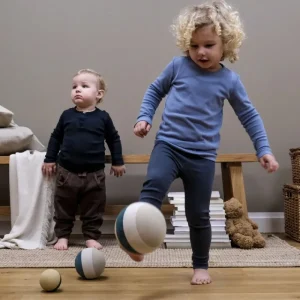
[(140, 228), (90, 263)]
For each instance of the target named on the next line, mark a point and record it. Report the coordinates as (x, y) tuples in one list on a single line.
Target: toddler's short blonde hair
[(225, 20), (101, 83)]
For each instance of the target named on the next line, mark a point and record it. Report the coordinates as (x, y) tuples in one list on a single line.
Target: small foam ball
[(50, 280), (140, 228), (90, 263)]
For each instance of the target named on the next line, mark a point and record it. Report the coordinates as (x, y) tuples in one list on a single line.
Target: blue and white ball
[(140, 228), (90, 263)]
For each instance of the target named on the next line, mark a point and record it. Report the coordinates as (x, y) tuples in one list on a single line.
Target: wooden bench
[(232, 179)]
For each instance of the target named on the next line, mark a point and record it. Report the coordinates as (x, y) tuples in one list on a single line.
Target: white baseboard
[(267, 223)]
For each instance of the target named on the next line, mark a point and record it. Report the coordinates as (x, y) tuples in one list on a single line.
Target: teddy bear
[(242, 231)]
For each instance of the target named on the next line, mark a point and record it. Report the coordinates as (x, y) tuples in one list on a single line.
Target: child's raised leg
[(163, 169), (198, 177)]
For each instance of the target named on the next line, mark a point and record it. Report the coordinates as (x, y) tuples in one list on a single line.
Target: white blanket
[(31, 202)]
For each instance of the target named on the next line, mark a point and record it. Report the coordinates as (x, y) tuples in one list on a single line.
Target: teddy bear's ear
[(228, 202), (236, 201), (233, 200), (225, 201)]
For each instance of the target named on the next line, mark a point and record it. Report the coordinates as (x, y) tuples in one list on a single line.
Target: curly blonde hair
[(225, 20), (101, 83)]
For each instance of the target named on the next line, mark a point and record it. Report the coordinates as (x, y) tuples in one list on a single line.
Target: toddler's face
[(85, 90), (206, 48)]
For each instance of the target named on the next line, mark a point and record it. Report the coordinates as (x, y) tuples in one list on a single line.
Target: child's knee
[(157, 180), (198, 219)]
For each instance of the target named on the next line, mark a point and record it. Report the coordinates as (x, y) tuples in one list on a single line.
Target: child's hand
[(49, 169), (269, 163), (141, 128), (118, 170)]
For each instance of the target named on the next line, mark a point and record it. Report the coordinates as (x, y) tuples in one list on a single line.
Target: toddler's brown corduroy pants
[(84, 190)]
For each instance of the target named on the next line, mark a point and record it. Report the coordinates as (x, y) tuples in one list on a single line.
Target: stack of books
[(180, 233)]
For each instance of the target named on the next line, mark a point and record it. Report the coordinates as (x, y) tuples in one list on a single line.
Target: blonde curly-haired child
[(198, 85)]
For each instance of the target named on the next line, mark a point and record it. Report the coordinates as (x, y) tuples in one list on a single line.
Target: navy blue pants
[(167, 164)]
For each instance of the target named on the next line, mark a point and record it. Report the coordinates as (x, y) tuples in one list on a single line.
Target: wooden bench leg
[(233, 183)]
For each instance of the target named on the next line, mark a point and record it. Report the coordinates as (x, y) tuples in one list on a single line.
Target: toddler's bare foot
[(201, 276), (93, 244), (61, 244)]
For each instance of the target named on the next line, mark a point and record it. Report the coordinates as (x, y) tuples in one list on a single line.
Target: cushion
[(14, 139), (36, 145), (5, 117)]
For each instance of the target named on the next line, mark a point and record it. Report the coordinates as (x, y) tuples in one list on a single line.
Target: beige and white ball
[(50, 280)]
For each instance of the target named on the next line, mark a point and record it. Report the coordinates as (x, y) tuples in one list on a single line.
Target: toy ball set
[(89, 264), (140, 228)]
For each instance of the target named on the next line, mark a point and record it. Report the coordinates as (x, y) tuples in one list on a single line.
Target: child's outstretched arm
[(49, 166), (152, 98), (253, 124)]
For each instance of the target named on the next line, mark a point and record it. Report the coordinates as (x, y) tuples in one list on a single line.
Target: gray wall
[(44, 42)]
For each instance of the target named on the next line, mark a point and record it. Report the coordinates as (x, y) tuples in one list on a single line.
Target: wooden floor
[(148, 284)]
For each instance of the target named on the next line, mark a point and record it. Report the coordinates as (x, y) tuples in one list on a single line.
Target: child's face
[(206, 48), (85, 90)]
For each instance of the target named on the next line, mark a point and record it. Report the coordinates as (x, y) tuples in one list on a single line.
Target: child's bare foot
[(61, 244), (201, 276), (136, 257), (93, 244), (133, 256)]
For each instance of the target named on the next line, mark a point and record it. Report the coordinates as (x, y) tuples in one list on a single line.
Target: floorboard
[(146, 284)]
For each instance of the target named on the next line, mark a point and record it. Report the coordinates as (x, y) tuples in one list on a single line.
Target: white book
[(216, 208), (187, 245), (182, 234), (217, 234), (217, 215), (175, 201), (187, 240), (216, 202), (214, 195), (177, 236), (214, 229), (181, 208), (213, 223), (182, 229), (213, 214), (182, 238), (178, 213), (212, 218)]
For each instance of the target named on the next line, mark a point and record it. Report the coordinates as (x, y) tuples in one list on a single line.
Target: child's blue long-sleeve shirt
[(193, 112)]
